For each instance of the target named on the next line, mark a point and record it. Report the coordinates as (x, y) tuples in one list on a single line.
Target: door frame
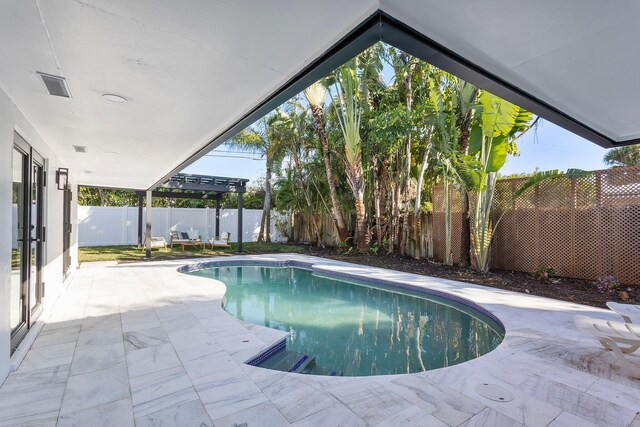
[(29, 315)]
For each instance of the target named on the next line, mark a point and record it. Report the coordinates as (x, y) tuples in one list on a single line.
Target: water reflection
[(356, 329)]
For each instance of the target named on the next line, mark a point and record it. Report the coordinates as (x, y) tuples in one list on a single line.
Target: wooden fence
[(583, 228)]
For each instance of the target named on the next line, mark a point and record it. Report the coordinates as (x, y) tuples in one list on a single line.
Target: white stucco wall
[(12, 120)]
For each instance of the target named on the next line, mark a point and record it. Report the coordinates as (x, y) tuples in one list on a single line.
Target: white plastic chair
[(619, 337)]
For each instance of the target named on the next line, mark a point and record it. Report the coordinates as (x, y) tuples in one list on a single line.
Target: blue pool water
[(355, 329)]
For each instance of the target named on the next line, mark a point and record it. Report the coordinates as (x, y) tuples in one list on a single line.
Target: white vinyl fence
[(106, 225)]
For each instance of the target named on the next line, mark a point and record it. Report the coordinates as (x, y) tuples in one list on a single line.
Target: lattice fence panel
[(583, 228)]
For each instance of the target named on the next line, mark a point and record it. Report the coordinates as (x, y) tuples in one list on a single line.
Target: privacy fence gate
[(582, 228)]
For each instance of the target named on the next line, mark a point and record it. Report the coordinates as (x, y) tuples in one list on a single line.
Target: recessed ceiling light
[(56, 85), (80, 148), (114, 98), (87, 172)]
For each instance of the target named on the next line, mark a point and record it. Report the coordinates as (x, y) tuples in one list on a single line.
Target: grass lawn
[(131, 253)]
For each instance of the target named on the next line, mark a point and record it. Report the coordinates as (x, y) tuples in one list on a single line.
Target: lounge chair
[(183, 239), (223, 242), (629, 312), (619, 337), (158, 242)]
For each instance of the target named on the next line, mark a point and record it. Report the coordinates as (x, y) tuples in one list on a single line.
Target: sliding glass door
[(27, 239)]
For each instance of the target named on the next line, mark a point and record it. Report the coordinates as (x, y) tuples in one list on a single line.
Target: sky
[(550, 148)]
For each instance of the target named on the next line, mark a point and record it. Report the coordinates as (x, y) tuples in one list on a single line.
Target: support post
[(218, 218), (140, 202), (147, 239), (239, 222)]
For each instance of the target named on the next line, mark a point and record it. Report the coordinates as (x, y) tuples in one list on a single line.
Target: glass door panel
[(36, 234), (17, 312)]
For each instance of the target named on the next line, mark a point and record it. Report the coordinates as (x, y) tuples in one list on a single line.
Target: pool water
[(355, 329)]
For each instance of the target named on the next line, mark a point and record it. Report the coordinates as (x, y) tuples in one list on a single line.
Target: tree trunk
[(418, 203), (260, 233), (465, 233), (407, 157), (356, 182), (267, 204), (376, 200), (338, 219)]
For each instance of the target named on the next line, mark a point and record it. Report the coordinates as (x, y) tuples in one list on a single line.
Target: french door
[(66, 230), (28, 239)]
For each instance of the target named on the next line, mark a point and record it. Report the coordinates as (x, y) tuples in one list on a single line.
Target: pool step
[(288, 361)]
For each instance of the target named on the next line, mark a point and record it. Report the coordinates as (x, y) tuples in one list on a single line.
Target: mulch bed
[(562, 288)]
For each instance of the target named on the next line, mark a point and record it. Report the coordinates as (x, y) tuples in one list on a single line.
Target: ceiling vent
[(56, 85), (80, 148)]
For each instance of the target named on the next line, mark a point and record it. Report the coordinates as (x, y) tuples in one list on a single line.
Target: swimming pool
[(352, 328)]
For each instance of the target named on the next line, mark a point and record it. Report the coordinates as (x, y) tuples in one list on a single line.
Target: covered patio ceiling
[(194, 72)]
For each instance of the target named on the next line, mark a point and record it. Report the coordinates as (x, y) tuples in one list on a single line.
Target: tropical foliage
[(366, 144), (623, 156)]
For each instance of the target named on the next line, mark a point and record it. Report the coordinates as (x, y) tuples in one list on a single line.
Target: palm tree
[(349, 116), (628, 155), (316, 94), (256, 138)]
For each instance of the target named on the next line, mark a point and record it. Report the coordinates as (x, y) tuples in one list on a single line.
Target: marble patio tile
[(442, 402), (581, 404), (275, 386), (522, 366), (187, 414), (199, 351), (213, 370), (369, 400), (89, 359), (19, 408), (179, 322), (524, 408), (150, 359), (51, 377), (264, 414), (600, 363), (159, 390), (134, 340), (302, 402), (227, 399), (490, 417), (48, 356), (412, 417), (620, 394), (95, 388), (95, 338), (117, 414), (203, 310), (191, 338), (55, 336), (101, 323), (567, 419), (139, 319)]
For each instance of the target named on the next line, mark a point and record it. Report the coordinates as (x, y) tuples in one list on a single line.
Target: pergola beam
[(200, 187)]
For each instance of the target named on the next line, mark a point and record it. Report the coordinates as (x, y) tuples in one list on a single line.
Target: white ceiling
[(189, 68), (581, 56), (192, 68)]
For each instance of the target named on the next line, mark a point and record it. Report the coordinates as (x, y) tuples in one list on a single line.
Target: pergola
[(189, 186)]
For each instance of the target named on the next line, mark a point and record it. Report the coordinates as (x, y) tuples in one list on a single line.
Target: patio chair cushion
[(183, 235), (193, 234)]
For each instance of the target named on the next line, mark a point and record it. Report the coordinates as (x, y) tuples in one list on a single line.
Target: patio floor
[(143, 344)]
